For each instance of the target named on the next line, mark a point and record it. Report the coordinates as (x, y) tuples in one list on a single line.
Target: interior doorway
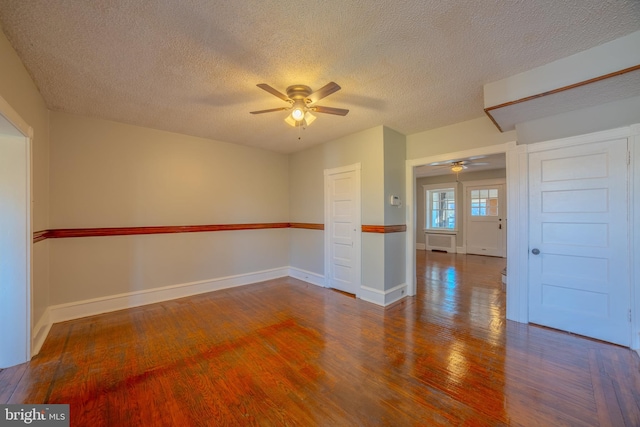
[(512, 154), (461, 210), (15, 238)]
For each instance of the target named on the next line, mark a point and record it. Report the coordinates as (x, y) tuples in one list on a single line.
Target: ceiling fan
[(459, 165), (302, 101)]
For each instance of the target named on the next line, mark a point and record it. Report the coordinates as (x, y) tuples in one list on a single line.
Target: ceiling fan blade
[(273, 91), (270, 110), (325, 90), (330, 110), (446, 163), (478, 163)]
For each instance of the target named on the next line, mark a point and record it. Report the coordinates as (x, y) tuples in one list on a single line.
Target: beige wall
[(474, 133), (17, 88), (394, 176), (306, 250), (108, 174), (93, 267), (381, 153), (307, 175), (394, 184), (306, 170)]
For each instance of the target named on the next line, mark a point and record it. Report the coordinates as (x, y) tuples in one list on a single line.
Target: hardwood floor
[(285, 352)]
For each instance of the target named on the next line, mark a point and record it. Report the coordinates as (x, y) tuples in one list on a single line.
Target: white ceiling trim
[(598, 90)]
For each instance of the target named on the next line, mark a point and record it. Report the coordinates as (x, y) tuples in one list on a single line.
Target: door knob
[(535, 251)]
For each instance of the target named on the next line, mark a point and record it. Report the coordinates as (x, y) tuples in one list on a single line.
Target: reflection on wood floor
[(284, 352)]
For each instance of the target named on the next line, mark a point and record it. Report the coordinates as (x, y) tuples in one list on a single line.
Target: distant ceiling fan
[(459, 165), (302, 102)]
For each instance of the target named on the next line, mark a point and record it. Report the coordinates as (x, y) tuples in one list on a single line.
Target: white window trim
[(488, 183), (431, 187)]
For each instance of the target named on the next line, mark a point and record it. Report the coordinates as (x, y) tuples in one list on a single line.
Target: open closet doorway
[(15, 238)]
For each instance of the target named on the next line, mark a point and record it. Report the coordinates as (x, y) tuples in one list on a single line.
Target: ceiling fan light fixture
[(309, 118), (300, 97), (297, 114), (290, 121), (456, 168)]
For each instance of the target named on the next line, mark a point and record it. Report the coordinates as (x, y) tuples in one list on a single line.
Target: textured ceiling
[(191, 66)]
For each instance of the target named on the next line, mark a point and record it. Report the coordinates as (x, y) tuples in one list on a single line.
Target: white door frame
[(517, 231), (20, 305), (357, 241)]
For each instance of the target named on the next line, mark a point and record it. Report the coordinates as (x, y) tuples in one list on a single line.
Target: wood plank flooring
[(284, 352)]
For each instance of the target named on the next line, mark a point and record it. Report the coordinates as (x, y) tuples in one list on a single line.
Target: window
[(484, 202), (440, 207)]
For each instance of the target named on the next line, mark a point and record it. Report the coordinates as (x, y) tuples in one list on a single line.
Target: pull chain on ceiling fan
[(302, 100)]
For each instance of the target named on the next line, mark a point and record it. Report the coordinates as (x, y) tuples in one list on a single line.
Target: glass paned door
[(485, 221)]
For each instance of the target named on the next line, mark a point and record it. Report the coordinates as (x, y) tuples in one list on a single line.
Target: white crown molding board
[(78, 309), (307, 276)]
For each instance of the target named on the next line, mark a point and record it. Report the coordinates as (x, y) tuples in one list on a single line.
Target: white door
[(15, 247), (343, 229), (485, 220), (578, 260)]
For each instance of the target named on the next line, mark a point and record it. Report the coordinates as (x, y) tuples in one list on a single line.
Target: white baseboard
[(383, 298), (371, 295), (40, 332), (421, 247), (395, 294), (77, 309), (461, 250), (307, 276), (90, 307)]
